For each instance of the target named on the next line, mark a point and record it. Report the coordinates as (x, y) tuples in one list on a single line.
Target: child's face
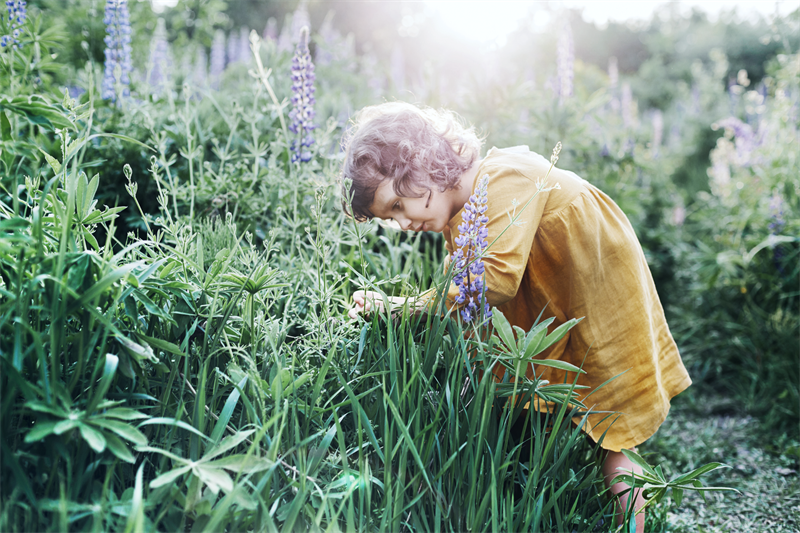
[(431, 212)]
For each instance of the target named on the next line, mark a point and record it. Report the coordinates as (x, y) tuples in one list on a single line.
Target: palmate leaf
[(116, 446), (247, 464), (214, 478), (126, 431), (40, 430), (169, 477), (94, 438)]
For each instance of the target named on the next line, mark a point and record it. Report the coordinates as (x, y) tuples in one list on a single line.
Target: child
[(574, 253)]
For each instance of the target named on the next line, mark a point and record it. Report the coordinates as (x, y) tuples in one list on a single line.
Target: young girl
[(573, 253)]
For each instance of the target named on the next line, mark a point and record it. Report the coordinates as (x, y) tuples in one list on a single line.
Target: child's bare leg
[(615, 460)]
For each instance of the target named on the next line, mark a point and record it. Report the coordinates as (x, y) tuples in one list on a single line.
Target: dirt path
[(765, 468)]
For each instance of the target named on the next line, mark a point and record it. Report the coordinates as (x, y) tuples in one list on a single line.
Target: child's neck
[(466, 182)]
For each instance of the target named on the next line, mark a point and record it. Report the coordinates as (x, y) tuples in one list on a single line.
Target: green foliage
[(197, 373)]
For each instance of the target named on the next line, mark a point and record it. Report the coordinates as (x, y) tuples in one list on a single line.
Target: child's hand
[(365, 302)]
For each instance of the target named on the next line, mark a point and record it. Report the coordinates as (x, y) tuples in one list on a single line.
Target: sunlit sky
[(491, 21)]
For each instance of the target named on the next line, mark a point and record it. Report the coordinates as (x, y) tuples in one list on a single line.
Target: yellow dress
[(576, 254)]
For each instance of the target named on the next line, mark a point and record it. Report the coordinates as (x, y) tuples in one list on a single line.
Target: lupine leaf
[(169, 477), (93, 437), (40, 430)]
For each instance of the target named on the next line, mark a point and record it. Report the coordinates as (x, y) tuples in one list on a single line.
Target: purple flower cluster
[(118, 49), (746, 139), (776, 209), (17, 13), (160, 59), (217, 58), (565, 62), (302, 113), (471, 243)]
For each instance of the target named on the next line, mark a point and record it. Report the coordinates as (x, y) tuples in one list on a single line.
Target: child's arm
[(366, 302)]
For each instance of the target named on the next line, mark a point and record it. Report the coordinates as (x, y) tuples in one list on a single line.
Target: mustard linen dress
[(576, 255)]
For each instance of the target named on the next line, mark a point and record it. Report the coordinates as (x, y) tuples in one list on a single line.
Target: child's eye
[(396, 206), (429, 198)]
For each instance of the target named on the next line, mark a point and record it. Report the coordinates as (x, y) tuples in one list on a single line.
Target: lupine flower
[(678, 215), (302, 113), (160, 63), (613, 72), (244, 44), (695, 98), (658, 131), (565, 62), (199, 74), (270, 30), (17, 13), (471, 243), (613, 81), (776, 209), (292, 28), (746, 140), (217, 66), (300, 20), (233, 49), (627, 105), (118, 49)]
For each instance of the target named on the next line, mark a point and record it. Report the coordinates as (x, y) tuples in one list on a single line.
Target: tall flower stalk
[(217, 66), (118, 66), (565, 62), (471, 243), (160, 59), (302, 113), (17, 13)]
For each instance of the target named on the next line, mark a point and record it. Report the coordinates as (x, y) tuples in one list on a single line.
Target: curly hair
[(415, 148)]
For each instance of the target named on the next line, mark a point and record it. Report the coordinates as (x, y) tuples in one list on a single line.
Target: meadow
[(176, 269)]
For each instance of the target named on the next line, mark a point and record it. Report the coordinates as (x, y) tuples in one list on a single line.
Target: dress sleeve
[(512, 196)]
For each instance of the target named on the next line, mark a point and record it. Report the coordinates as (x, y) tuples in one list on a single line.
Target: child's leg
[(615, 460)]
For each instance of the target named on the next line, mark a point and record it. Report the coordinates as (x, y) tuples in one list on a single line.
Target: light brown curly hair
[(413, 147)]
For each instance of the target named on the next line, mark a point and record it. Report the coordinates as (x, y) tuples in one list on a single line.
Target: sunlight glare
[(488, 22)]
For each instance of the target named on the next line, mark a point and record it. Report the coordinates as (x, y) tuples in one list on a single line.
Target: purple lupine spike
[(17, 14), (217, 66), (613, 81), (746, 140), (300, 20), (471, 243), (302, 113), (658, 132), (270, 30), (118, 49), (233, 49), (160, 63), (565, 62), (200, 68), (696, 102), (244, 44), (627, 105)]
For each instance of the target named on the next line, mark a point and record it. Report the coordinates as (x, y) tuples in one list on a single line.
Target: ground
[(705, 427)]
